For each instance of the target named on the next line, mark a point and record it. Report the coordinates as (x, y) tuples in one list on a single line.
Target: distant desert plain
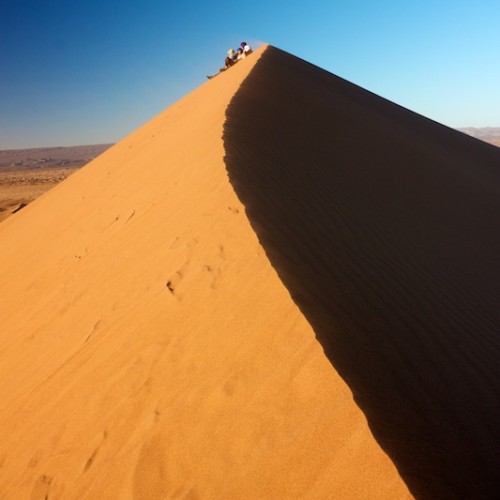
[(25, 174)]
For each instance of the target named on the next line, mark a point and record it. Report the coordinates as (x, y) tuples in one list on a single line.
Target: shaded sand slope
[(383, 225), (149, 350)]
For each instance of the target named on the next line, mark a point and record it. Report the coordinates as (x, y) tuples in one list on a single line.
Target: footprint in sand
[(41, 489)]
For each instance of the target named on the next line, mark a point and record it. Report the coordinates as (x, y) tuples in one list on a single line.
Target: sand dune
[(148, 348), (178, 314)]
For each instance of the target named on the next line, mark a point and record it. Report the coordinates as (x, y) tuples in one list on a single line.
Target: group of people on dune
[(234, 56)]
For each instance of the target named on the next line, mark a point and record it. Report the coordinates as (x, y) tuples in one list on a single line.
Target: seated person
[(231, 59), (246, 49)]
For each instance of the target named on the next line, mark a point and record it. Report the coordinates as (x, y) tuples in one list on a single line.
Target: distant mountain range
[(15, 160), (487, 134)]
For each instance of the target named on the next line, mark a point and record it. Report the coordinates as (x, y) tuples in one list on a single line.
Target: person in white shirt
[(246, 49)]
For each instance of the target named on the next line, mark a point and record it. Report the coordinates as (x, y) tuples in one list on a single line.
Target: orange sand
[(173, 329), (148, 348)]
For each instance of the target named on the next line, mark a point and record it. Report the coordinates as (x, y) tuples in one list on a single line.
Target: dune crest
[(148, 348)]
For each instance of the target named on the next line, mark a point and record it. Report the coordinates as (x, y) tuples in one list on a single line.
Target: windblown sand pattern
[(384, 226), (169, 332)]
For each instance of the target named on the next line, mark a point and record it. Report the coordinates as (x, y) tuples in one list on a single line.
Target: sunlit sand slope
[(384, 227), (149, 350)]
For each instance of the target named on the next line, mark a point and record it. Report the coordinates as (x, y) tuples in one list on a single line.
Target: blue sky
[(92, 72)]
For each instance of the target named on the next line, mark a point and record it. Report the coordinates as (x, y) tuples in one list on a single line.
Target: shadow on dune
[(384, 227)]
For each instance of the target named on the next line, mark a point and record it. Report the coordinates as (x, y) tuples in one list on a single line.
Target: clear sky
[(89, 72)]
